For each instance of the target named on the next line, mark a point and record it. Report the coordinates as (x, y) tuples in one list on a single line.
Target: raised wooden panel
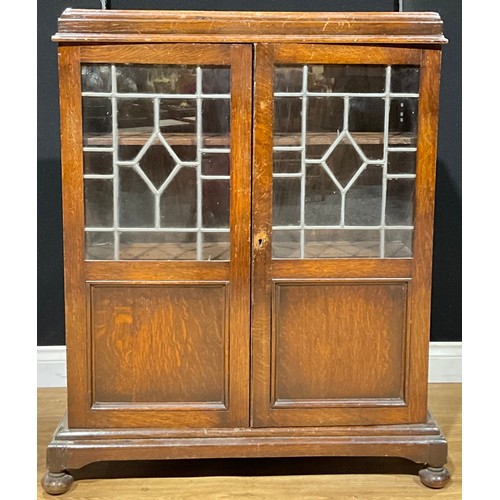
[(338, 342), (162, 344)]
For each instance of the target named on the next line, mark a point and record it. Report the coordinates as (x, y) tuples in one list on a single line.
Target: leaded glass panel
[(156, 154), (345, 144)]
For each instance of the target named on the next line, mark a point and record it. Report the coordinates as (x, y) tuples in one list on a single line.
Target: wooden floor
[(290, 479)]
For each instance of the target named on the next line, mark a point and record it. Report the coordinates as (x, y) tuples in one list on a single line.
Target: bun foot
[(434, 477), (56, 483)]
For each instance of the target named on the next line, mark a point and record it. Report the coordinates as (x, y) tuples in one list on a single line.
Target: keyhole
[(260, 242)]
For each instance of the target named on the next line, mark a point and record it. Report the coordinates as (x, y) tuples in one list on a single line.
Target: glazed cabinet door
[(156, 174), (343, 189)]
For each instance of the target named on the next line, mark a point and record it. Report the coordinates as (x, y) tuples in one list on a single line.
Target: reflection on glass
[(157, 246), (96, 162), (323, 199), (215, 246), (96, 118), (157, 173), (403, 121), (344, 159), (215, 164), (287, 162), (98, 203), (363, 204), (401, 162), (137, 205), (178, 201), (399, 204), (405, 79), (99, 245), (286, 244), (286, 202), (323, 244), (398, 243), (215, 204)]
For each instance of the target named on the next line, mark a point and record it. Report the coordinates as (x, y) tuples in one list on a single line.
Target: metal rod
[(116, 169), (387, 109), (144, 95), (157, 230), (199, 184), (303, 138)]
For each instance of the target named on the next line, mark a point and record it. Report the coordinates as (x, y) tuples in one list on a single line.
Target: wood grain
[(85, 25), (280, 478), (344, 54), (161, 346), (350, 347)]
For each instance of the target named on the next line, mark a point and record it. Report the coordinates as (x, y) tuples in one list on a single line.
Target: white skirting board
[(445, 364)]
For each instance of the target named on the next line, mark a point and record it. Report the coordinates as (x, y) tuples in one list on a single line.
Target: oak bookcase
[(248, 221)]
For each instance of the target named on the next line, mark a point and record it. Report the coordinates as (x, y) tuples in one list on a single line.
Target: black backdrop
[(446, 292)]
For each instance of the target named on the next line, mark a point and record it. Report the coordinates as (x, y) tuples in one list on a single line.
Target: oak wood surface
[(94, 376), (415, 350), (350, 345), (287, 478), (85, 25)]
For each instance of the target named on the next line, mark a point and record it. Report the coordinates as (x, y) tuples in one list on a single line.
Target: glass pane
[(405, 79), (323, 198), (178, 201), (401, 162), (349, 78), (286, 202), (287, 121), (215, 203), (342, 243), (287, 162), (157, 78), (215, 164), (96, 78), (99, 245), (97, 163), (96, 116), (348, 179), (399, 204), (288, 79), (137, 207), (215, 80), (215, 246), (363, 203), (398, 243), (98, 203), (157, 246), (403, 122), (135, 126), (325, 121), (178, 117), (215, 116), (167, 144), (286, 244)]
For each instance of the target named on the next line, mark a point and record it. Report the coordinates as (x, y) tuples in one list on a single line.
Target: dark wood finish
[(250, 357), (434, 477), (83, 26), (70, 450), (57, 483)]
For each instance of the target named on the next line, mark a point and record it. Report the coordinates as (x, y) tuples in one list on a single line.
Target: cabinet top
[(133, 26)]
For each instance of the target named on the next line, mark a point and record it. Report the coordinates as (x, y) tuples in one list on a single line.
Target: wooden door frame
[(416, 272), (81, 275)]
